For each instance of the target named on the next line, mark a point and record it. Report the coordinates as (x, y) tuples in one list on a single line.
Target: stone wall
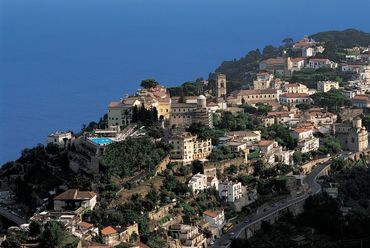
[(222, 165), (162, 165), (160, 212)]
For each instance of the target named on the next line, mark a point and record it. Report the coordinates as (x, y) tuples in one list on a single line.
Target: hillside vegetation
[(344, 39)]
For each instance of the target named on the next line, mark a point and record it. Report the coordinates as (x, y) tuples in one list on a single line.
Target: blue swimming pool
[(101, 141)]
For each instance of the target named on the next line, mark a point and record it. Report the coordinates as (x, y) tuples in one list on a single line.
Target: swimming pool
[(101, 141)]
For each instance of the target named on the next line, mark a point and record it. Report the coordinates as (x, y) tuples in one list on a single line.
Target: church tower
[(220, 85)]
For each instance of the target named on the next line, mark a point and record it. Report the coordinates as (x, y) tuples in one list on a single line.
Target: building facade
[(352, 136)]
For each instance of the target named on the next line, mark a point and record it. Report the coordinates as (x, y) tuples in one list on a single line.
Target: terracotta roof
[(75, 194), (212, 104), (85, 225), (115, 105), (292, 85), (108, 231), (302, 129), (281, 113), (265, 142), (295, 95), (274, 61), (211, 213), (317, 59), (296, 59), (321, 114), (361, 97), (256, 92)]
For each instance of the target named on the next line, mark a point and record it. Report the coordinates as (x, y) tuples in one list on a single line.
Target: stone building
[(184, 114), (268, 96), (188, 236), (353, 136), (187, 148), (120, 112), (263, 81), (220, 86)]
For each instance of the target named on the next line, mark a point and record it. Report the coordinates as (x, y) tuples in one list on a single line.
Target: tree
[(303, 106), (297, 157), (34, 229), (149, 83), (53, 234), (287, 42)]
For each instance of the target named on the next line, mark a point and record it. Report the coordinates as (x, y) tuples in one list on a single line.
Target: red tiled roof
[(274, 61), (211, 213), (212, 104), (257, 92), (321, 114), (292, 85), (295, 95), (108, 231), (296, 59), (317, 59), (115, 104), (75, 194), (265, 142), (282, 113), (361, 97), (85, 225), (302, 129)]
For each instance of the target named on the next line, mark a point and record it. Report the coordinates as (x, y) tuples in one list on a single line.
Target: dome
[(201, 97)]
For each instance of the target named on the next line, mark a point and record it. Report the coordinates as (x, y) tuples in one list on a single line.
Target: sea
[(62, 61)]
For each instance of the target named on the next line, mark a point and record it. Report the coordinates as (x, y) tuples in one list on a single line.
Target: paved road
[(8, 215), (310, 180)]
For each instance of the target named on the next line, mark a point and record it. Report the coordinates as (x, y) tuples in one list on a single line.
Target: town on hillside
[(202, 164)]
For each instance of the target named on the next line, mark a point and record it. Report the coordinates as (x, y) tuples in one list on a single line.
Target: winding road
[(225, 240)]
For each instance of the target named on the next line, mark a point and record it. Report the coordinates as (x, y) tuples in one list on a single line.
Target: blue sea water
[(62, 61)]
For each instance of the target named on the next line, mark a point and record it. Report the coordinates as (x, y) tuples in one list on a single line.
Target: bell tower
[(221, 85)]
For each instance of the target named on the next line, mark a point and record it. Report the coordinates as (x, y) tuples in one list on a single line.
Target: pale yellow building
[(187, 147), (326, 86), (120, 112)]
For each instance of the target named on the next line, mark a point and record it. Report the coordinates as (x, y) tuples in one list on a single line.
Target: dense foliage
[(124, 158), (144, 115), (345, 38), (186, 89), (237, 122), (332, 100)]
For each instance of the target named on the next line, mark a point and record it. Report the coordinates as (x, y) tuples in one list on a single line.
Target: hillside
[(344, 39), (243, 70)]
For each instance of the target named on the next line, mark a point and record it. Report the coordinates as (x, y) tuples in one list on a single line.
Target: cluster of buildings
[(69, 207), (178, 113)]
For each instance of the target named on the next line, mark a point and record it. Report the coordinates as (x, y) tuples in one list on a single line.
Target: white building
[(295, 88), (306, 141), (188, 236), (294, 98), (321, 63), (231, 191), (214, 218), (198, 183), (326, 86), (295, 64), (59, 138), (73, 199)]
